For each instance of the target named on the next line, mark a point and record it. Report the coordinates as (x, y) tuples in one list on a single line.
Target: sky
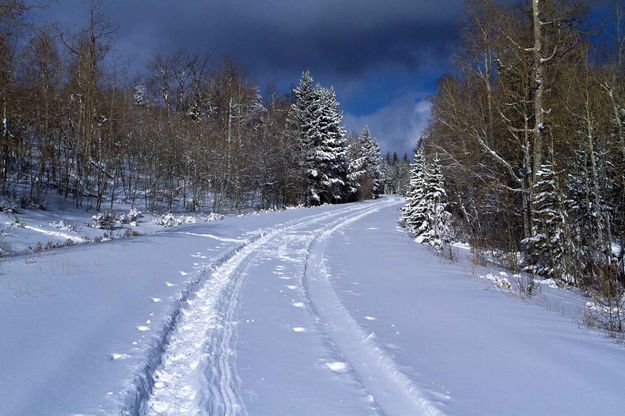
[(382, 57)]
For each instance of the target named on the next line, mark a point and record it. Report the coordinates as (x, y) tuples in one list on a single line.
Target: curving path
[(198, 373)]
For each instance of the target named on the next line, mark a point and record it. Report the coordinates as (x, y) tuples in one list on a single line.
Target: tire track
[(393, 391), (220, 392), (198, 333)]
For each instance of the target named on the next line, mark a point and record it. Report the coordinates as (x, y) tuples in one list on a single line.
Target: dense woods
[(186, 133), (530, 131)]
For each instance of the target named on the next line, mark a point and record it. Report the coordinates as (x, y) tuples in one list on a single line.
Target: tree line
[(529, 132), (186, 132)]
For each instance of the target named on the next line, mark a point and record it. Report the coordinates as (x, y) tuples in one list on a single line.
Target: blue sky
[(382, 57)]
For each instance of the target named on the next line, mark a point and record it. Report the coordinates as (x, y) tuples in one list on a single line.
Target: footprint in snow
[(143, 328), (292, 287), (183, 273), (116, 356), (337, 366), (298, 329), (169, 284), (369, 318), (156, 300), (298, 304)]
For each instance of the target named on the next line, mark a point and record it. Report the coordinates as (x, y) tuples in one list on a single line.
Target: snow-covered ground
[(322, 311), (33, 230)]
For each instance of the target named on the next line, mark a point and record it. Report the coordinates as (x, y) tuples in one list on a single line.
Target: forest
[(186, 133), (528, 131)]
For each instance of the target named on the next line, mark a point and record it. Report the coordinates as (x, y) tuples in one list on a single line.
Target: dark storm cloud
[(342, 38)]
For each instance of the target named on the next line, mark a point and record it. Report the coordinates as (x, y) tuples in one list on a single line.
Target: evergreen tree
[(426, 214), (393, 174), (385, 168), (435, 230), (373, 161), (549, 250), (357, 169), (304, 120), (365, 169), (331, 151), (317, 121), (413, 214), (403, 176)]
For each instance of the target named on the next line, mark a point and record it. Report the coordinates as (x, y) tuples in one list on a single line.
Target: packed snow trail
[(394, 392), (198, 374), (83, 327)]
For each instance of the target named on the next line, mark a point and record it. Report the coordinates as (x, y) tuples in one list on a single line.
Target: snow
[(500, 281), (337, 366), (321, 311), (55, 234), (473, 350), (33, 230)]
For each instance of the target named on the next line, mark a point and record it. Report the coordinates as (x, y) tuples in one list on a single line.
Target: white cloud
[(397, 126)]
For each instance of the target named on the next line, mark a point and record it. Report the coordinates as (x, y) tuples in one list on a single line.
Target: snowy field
[(321, 311)]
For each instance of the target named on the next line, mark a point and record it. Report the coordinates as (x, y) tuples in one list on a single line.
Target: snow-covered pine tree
[(331, 152), (413, 214), (385, 168), (549, 249), (317, 121), (403, 175), (304, 121), (373, 160), (393, 174), (435, 230), (357, 170), (366, 179)]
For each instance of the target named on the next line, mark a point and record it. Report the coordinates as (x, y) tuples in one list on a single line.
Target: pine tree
[(304, 121), (357, 170), (549, 250), (331, 151), (403, 176), (385, 168), (435, 230), (317, 121), (413, 214), (373, 161), (426, 213), (365, 176)]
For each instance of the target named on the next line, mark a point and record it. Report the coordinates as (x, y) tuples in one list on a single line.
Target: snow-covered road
[(325, 311)]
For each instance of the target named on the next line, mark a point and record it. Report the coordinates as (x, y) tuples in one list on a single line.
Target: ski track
[(75, 239), (196, 373), (214, 237), (391, 390), (191, 368)]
